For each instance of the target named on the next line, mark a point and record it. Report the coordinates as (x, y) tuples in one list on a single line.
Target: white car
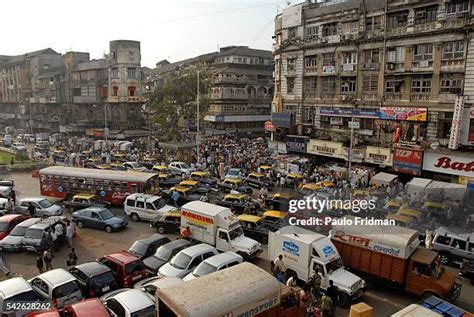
[(5, 206), (7, 140), (186, 260), (16, 289), (234, 173), (134, 166), (43, 206), (152, 284), (215, 263), (14, 241), (145, 207), (20, 147), (127, 302), (181, 168)]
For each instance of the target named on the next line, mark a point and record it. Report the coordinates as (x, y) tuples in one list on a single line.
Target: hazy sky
[(167, 29)]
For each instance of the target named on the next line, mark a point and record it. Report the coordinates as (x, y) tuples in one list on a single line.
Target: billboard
[(456, 123), (296, 143), (449, 164), (282, 119), (326, 148), (378, 155), (403, 113), (291, 16), (406, 160)]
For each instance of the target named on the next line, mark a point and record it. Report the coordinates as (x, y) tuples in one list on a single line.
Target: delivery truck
[(218, 226), (239, 291), (392, 254), (304, 251)]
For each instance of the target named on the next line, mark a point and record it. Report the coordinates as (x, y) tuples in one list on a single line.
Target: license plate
[(105, 289), (136, 278)]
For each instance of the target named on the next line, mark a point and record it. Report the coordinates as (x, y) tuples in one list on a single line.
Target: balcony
[(85, 99), (456, 65), (135, 99), (426, 27), (422, 65), (420, 96), (369, 96), (348, 68), (394, 96), (395, 67), (397, 31), (370, 66), (311, 70), (310, 95)]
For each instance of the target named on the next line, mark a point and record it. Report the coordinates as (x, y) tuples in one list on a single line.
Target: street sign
[(354, 124)]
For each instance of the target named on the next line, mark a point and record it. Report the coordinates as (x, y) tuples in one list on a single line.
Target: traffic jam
[(327, 232)]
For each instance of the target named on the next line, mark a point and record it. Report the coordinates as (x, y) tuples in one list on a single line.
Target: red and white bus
[(111, 186)]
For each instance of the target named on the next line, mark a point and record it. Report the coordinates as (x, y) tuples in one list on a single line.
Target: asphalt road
[(91, 244)]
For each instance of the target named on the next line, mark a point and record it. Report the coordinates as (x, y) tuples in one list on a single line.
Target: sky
[(167, 29)]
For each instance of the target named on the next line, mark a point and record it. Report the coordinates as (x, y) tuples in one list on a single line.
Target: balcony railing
[(425, 27), (369, 95), (455, 63), (310, 95), (311, 70), (420, 96), (393, 96), (370, 66)]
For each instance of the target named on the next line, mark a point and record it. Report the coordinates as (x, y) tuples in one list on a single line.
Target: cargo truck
[(303, 251), (392, 254), (240, 291), (218, 226)]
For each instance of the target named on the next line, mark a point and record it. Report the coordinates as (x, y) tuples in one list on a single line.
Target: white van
[(145, 207)]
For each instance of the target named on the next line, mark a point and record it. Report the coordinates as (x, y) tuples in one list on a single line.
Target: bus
[(109, 185)]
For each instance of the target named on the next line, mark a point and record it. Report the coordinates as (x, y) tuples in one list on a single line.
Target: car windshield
[(23, 297), (159, 203), (163, 253), (203, 269), (138, 247), (149, 311), (100, 280), (135, 165), (233, 172), (237, 232), (334, 265), (134, 267), (3, 226), (19, 231), (66, 289), (34, 234), (105, 214), (184, 165), (180, 261), (44, 203)]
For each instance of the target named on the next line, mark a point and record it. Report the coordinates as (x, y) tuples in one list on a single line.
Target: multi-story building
[(241, 91), (396, 67)]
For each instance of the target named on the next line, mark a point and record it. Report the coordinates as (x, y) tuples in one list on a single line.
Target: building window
[(371, 56), (396, 55), (115, 91), (330, 29), (398, 19), (291, 64), (370, 83), (114, 73), (367, 124), (328, 85), (290, 86), (461, 7), (423, 52), (452, 50), (393, 85), (310, 86), (350, 27), (132, 73), (312, 32), (131, 91), (426, 15), (328, 59), (373, 23), (348, 85), (421, 84), (349, 58), (292, 33), (451, 83), (310, 64)]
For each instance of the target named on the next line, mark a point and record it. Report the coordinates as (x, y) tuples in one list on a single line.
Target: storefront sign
[(335, 121), (296, 143), (378, 155), (329, 69), (342, 112), (456, 123), (326, 148), (282, 119), (403, 113), (357, 155), (449, 164), (407, 160), (269, 126)]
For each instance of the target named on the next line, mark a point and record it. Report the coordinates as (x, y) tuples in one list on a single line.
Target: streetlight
[(198, 137)]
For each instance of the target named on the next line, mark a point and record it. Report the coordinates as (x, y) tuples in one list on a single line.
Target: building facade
[(396, 68)]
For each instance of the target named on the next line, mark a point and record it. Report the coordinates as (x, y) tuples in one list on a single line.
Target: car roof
[(123, 257), (143, 196), (57, 277), (32, 199), (29, 222), (275, 213), (189, 182), (198, 249), (8, 218), (200, 173), (90, 307), (249, 218), (283, 195), (455, 234), (235, 196), (176, 244), (94, 208), (165, 281), (134, 300), (92, 268), (84, 196), (154, 237), (14, 286), (222, 258)]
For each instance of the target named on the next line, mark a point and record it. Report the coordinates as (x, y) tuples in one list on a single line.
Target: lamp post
[(198, 137)]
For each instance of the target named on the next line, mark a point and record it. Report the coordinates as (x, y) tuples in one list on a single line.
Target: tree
[(176, 99)]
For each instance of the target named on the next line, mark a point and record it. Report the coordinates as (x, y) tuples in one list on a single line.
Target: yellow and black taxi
[(170, 222), (167, 180), (117, 166), (230, 184), (193, 185), (254, 227), (93, 162), (58, 154), (280, 201), (204, 178), (185, 195), (158, 168), (275, 218), (85, 200), (392, 206), (402, 220), (119, 157), (259, 180), (265, 169), (435, 208), (239, 203), (103, 167), (293, 179), (309, 189)]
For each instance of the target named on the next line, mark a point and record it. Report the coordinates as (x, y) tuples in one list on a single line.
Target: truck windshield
[(237, 232), (334, 265)]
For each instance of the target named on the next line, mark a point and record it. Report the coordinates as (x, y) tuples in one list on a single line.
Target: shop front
[(406, 124), (296, 144), (326, 148), (356, 155), (378, 155), (407, 160), (459, 167)]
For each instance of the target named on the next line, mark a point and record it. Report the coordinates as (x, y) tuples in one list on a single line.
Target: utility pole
[(106, 129), (198, 137)]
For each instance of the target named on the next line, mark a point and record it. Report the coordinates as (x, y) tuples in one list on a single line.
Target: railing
[(312, 69), (393, 96), (370, 66), (310, 95), (369, 95), (396, 31), (422, 96), (453, 63), (425, 27)]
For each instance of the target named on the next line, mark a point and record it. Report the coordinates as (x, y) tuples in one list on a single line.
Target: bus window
[(124, 188), (99, 184), (65, 181), (133, 188), (107, 185), (116, 186), (89, 183)]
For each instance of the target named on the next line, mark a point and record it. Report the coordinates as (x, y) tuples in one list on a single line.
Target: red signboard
[(269, 126), (407, 160)]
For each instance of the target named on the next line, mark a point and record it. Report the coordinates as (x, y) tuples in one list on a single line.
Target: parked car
[(99, 218), (5, 206), (275, 219), (7, 140), (86, 308), (167, 180), (453, 247), (235, 173), (126, 267), (254, 228), (8, 222), (19, 147), (214, 263), (129, 303), (239, 203), (81, 201), (235, 184), (186, 260), (13, 290), (164, 253), (58, 286), (7, 183), (134, 166), (44, 207), (94, 278), (170, 222), (34, 235), (14, 241), (152, 284), (185, 196), (5, 192), (180, 168), (258, 181), (143, 248), (204, 179), (194, 187), (145, 207), (280, 201)]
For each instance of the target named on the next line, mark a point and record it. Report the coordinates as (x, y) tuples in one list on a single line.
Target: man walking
[(31, 210), (333, 293), (40, 263), (3, 266), (69, 234), (48, 260)]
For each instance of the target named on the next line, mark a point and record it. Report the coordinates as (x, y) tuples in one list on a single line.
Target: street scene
[(324, 166)]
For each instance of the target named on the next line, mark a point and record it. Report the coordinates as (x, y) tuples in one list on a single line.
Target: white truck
[(305, 251), (218, 226)]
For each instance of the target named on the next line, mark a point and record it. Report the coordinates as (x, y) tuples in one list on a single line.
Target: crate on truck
[(393, 254), (239, 291)]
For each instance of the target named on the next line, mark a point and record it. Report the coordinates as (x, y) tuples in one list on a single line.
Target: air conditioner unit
[(391, 66)]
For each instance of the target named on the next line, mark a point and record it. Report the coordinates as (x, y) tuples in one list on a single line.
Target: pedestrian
[(175, 197), (291, 280), (31, 209), (186, 233), (316, 285), (40, 263), (279, 265), (48, 260), (3, 266), (13, 198), (333, 292), (55, 240), (326, 305), (69, 234), (72, 258)]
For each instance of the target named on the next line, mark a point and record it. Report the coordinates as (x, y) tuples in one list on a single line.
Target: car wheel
[(80, 224), (108, 229), (135, 217), (343, 300), (161, 230)]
